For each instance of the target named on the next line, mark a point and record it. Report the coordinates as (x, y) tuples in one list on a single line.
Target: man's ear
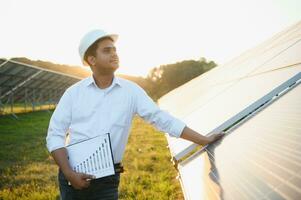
[(91, 60)]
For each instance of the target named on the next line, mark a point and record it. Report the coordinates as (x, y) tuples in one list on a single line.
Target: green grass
[(28, 172)]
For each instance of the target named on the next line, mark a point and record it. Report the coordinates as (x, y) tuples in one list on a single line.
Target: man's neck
[(103, 81)]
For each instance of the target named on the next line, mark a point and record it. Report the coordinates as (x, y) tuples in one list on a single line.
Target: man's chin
[(109, 70), (115, 66)]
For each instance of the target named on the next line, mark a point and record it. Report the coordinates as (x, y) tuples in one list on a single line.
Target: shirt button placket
[(101, 111)]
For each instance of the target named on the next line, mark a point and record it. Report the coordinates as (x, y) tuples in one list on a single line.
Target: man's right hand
[(79, 180)]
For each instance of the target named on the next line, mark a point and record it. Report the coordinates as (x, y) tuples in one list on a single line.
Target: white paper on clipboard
[(92, 156)]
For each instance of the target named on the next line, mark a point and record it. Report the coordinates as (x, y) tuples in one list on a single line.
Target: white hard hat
[(89, 38)]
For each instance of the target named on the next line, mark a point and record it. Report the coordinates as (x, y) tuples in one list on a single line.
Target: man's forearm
[(193, 136), (61, 158)]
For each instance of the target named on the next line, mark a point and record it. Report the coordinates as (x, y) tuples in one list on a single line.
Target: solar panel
[(233, 104), (43, 84), (23, 83), (12, 75), (288, 58), (233, 81), (259, 159), (246, 64), (238, 67), (13, 69)]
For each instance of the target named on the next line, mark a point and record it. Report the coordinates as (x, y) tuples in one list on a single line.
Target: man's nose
[(115, 55)]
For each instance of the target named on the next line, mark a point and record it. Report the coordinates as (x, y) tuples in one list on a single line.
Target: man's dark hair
[(91, 51)]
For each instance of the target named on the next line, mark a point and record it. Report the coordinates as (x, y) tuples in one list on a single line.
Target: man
[(104, 103)]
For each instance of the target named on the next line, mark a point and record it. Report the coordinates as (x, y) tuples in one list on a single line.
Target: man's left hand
[(215, 137)]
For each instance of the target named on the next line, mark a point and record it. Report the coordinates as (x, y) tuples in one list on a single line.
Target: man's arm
[(148, 110), (58, 126), (193, 136)]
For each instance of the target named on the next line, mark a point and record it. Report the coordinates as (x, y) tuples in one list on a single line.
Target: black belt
[(118, 168)]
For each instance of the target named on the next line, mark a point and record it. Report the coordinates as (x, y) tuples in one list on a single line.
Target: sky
[(151, 33)]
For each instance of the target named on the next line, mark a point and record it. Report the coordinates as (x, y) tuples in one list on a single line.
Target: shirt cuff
[(177, 128), (54, 145)]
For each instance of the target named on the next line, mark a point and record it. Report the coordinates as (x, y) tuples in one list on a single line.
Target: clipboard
[(93, 156)]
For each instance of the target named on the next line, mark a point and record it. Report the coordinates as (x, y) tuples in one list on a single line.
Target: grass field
[(28, 172), (18, 108)]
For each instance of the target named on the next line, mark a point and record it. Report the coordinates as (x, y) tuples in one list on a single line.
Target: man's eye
[(108, 50)]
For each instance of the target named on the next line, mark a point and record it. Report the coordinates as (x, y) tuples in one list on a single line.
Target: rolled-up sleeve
[(161, 119), (59, 123)]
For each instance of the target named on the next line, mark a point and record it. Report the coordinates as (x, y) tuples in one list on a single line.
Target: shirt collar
[(91, 80)]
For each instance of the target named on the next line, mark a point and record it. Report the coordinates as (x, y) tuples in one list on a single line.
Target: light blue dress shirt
[(85, 111)]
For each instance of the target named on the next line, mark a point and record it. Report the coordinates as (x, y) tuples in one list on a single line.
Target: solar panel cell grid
[(260, 159)]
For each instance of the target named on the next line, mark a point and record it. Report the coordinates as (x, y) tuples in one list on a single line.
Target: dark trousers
[(105, 188)]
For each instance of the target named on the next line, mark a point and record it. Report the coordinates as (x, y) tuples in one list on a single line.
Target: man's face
[(106, 60)]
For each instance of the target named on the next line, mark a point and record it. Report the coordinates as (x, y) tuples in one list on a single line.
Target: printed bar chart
[(93, 156)]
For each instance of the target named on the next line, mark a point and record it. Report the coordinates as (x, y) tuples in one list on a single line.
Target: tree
[(168, 77)]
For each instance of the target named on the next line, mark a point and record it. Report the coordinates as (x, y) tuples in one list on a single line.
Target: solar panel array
[(226, 97), (20, 82)]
